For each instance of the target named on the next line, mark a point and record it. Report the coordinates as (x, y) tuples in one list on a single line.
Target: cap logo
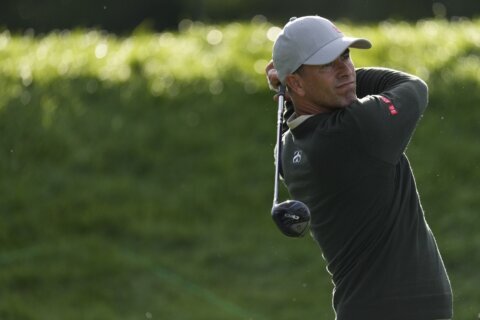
[(336, 28)]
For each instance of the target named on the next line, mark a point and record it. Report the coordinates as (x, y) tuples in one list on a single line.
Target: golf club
[(292, 217)]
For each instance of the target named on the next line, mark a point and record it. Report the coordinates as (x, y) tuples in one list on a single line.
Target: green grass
[(137, 172)]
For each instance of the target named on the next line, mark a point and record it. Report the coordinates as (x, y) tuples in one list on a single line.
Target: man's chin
[(347, 101)]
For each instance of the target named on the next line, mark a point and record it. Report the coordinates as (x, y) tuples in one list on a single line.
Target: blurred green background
[(136, 167)]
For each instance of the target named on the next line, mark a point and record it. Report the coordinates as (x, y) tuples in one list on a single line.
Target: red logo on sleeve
[(391, 107)]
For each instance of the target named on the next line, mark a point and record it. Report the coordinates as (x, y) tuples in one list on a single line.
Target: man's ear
[(295, 84)]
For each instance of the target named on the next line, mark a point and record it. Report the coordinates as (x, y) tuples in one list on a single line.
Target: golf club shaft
[(281, 99)]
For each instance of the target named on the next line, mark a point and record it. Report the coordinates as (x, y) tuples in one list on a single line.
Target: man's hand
[(272, 76), (273, 81)]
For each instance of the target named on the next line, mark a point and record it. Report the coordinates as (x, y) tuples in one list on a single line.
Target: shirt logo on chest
[(297, 157)]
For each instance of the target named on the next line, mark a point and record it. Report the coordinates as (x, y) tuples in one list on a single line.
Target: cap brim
[(334, 49)]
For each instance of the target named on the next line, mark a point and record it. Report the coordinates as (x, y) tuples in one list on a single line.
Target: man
[(348, 134)]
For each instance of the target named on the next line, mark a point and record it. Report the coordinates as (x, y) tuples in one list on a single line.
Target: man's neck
[(308, 109)]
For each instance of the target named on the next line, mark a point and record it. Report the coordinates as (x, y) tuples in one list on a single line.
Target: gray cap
[(310, 40)]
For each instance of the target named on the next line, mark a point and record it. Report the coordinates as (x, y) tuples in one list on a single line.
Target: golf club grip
[(281, 99)]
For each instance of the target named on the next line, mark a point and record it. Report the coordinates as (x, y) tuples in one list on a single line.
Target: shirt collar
[(295, 120)]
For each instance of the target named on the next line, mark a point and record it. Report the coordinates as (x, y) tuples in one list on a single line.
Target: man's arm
[(375, 81), (391, 104)]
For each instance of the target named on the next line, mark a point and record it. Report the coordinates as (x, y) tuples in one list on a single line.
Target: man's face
[(332, 85)]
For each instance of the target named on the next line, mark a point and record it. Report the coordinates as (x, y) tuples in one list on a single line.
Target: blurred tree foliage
[(124, 15)]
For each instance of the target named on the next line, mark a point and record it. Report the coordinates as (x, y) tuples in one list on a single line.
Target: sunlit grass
[(215, 52), (424, 48)]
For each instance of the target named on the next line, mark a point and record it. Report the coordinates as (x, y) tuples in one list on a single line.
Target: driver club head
[(292, 218)]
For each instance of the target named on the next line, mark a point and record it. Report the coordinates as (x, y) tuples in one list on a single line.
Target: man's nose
[(341, 66)]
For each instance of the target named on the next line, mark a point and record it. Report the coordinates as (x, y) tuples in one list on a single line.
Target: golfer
[(343, 156)]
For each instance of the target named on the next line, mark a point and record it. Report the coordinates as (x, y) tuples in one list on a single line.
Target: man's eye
[(346, 54)]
